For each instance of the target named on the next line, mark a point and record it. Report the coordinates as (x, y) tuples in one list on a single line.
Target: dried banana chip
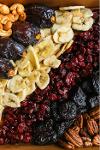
[(63, 35), (33, 57), (16, 84), (30, 86), (87, 12), (64, 48), (44, 68), (52, 62), (71, 7), (45, 32), (43, 81)]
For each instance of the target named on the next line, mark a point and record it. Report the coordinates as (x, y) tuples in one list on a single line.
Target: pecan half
[(92, 126), (96, 140), (79, 122), (66, 145), (74, 138), (95, 113)]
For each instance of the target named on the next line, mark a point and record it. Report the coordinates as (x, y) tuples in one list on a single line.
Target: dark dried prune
[(43, 133), (67, 110), (10, 49), (87, 86), (80, 98), (60, 127), (95, 81), (25, 33), (6, 68), (54, 111), (93, 102), (42, 16)]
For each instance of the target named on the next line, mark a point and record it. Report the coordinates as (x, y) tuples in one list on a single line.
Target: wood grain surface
[(30, 147), (87, 3)]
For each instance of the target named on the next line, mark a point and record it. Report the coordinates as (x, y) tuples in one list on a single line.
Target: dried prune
[(10, 49), (87, 86), (42, 16), (80, 98), (25, 33), (93, 102), (95, 81), (54, 111), (43, 133), (6, 68), (67, 110)]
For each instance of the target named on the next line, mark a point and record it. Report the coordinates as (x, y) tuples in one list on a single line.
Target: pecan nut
[(74, 138), (66, 145), (95, 113), (79, 122), (92, 126), (96, 140)]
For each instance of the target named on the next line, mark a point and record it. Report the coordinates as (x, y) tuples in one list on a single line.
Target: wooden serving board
[(54, 3)]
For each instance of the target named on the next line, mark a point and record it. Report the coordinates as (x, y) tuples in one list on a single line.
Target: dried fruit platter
[(49, 77)]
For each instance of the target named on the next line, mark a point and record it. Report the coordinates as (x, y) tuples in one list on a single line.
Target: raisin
[(67, 110), (93, 102), (42, 16), (43, 133), (95, 81), (25, 33), (10, 49), (6, 68), (87, 86), (54, 111), (80, 98)]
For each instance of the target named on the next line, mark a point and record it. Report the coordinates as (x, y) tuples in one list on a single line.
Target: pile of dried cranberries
[(46, 114)]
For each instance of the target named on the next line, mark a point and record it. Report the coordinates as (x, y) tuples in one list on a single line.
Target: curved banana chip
[(16, 84), (45, 32), (44, 68), (64, 17), (52, 62), (71, 7), (63, 35), (33, 57), (43, 80), (87, 12), (34, 76), (30, 86)]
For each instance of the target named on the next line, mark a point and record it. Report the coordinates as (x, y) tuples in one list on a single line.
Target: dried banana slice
[(44, 68), (45, 32), (33, 57), (16, 84), (87, 12), (52, 62), (34, 76), (43, 80), (30, 86), (64, 48), (71, 7), (63, 35), (63, 17)]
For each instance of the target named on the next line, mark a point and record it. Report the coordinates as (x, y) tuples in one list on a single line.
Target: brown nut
[(7, 26), (74, 138), (92, 126), (22, 16), (19, 8), (1, 26), (66, 145), (96, 140), (79, 122), (5, 33), (95, 113), (4, 9)]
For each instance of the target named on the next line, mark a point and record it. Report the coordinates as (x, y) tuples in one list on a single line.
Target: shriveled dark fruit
[(54, 111), (80, 98), (6, 68), (10, 49), (42, 16), (25, 33), (67, 110), (93, 102), (87, 86), (60, 127), (96, 81), (43, 133)]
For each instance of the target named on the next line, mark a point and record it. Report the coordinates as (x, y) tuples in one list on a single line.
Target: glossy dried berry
[(93, 102), (43, 133), (25, 33), (10, 49), (42, 16), (6, 68), (95, 81), (67, 110)]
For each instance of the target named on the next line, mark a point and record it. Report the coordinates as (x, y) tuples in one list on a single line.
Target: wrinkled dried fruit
[(10, 49), (42, 16), (25, 33)]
